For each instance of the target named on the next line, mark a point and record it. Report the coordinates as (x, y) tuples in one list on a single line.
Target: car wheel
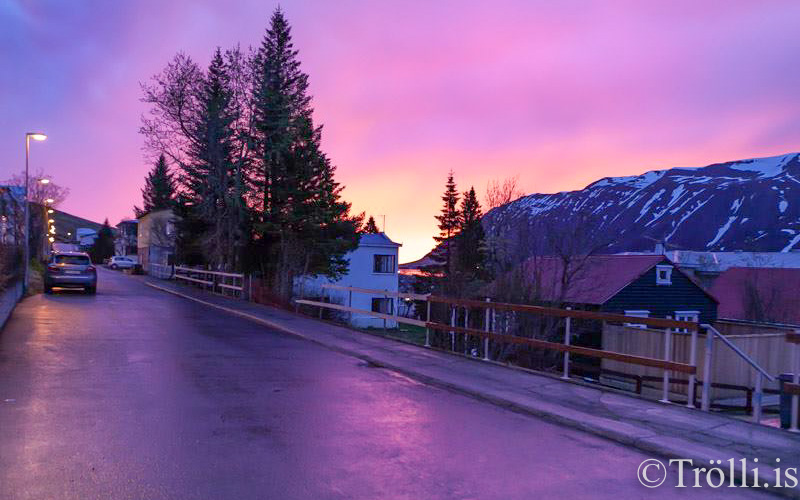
[(91, 290), (114, 266)]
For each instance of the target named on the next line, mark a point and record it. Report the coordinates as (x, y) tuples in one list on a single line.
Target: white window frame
[(637, 313), (387, 300), (664, 281), (392, 257), (693, 316)]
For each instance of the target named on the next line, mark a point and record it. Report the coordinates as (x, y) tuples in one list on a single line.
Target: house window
[(663, 275), (382, 305), (693, 316), (637, 314), (383, 264)]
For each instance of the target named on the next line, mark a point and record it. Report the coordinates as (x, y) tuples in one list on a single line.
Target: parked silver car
[(70, 270), (121, 262)]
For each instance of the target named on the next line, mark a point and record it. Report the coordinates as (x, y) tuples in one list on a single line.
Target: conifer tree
[(159, 189), (103, 246), (470, 241), (303, 226), (370, 227), (449, 225), (213, 180)]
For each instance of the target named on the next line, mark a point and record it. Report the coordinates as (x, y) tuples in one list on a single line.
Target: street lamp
[(36, 136)]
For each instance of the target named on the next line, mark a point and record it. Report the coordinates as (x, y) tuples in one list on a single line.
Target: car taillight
[(91, 269), (53, 268)]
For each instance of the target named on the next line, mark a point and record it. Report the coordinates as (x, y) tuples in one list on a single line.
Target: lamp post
[(26, 251)]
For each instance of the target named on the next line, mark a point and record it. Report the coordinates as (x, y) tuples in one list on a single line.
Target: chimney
[(659, 249)]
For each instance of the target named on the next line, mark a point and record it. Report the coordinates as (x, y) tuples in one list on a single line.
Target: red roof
[(592, 280), (770, 295)]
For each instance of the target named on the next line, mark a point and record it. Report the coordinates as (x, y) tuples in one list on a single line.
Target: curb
[(598, 426)]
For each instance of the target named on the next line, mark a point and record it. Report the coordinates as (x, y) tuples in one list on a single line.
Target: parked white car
[(121, 262)]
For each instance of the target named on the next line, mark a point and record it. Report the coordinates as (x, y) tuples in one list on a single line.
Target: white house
[(373, 265), (85, 236)]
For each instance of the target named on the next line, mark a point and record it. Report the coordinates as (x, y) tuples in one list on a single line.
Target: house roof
[(593, 280), (376, 240), (760, 294)]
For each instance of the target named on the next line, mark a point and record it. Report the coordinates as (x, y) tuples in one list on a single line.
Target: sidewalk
[(668, 431)]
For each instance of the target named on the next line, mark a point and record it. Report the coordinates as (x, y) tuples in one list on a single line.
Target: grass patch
[(409, 333)]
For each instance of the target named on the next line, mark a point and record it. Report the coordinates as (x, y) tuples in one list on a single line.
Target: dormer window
[(663, 275)]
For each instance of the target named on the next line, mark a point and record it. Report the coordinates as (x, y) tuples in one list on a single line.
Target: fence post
[(323, 300), (758, 397), (795, 379), (705, 403), (385, 299), (350, 305), (428, 320), (486, 327), (667, 357), (453, 323), (693, 362), (395, 308), (466, 325), (567, 335)]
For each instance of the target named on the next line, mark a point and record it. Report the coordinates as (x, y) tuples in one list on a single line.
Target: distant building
[(759, 295), (707, 266), (126, 237), (373, 265), (155, 238), (85, 237), (648, 286)]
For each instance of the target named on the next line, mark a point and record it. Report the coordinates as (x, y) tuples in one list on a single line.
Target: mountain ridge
[(751, 204)]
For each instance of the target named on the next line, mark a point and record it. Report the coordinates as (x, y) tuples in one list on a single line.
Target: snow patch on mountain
[(764, 167)]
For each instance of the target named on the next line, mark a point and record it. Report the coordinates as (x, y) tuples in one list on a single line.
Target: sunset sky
[(561, 93)]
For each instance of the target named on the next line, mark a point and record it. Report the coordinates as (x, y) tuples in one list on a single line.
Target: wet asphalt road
[(137, 394)]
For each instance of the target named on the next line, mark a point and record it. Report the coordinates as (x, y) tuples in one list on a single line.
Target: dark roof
[(592, 280), (769, 295)]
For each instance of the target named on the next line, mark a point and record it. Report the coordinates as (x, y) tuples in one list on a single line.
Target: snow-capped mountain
[(739, 205)]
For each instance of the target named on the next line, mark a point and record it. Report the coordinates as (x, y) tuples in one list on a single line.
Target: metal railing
[(214, 281), (761, 374), (793, 387)]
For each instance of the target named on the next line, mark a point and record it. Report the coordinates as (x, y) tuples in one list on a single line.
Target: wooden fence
[(736, 375), (214, 281)]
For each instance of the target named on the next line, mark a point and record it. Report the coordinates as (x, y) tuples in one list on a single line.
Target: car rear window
[(80, 260)]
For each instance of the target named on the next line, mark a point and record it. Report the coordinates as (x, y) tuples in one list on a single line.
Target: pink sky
[(561, 93)]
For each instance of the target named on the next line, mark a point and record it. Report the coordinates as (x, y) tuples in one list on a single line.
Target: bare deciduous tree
[(499, 193), (40, 192)]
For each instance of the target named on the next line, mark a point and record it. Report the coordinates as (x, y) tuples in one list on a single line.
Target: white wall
[(360, 275)]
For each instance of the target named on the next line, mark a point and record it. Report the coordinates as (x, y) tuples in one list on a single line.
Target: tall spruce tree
[(159, 189), (470, 244), (449, 226), (303, 226), (213, 178)]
